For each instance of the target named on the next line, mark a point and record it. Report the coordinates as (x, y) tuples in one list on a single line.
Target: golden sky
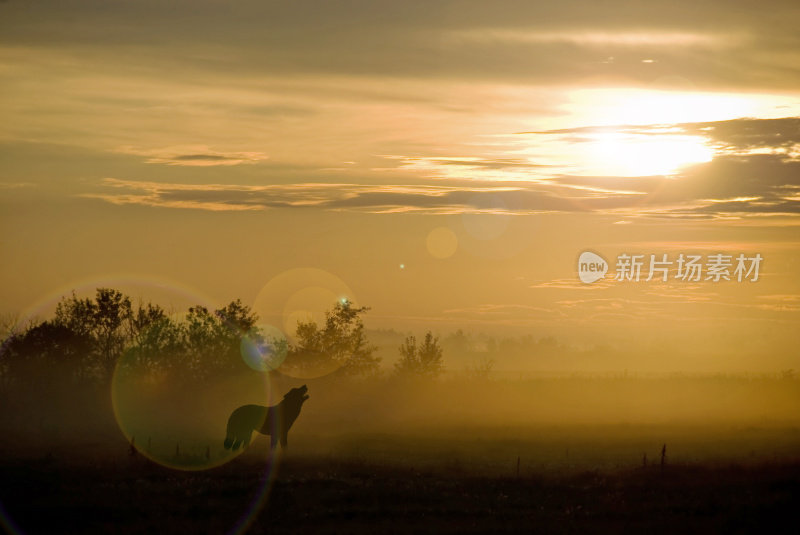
[(443, 162)]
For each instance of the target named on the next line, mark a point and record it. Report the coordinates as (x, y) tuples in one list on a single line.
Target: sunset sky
[(442, 162)]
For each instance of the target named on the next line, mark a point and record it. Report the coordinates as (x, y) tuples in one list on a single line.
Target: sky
[(443, 162)]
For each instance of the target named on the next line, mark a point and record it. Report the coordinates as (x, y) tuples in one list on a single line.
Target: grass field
[(567, 480), (560, 455)]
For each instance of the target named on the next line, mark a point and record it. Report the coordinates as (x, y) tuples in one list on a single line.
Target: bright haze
[(442, 162)]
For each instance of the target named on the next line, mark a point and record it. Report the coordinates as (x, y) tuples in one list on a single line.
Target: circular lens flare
[(491, 219), (298, 300), (264, 348), (163, 417), (441, 243), (175, 423)]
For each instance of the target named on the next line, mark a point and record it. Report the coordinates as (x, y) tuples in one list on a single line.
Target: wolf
[(274, 421)]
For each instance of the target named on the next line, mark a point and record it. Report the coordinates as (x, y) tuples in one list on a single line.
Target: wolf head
[(297, 395)]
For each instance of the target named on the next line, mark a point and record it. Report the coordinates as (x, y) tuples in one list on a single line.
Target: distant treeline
[(88, 339)]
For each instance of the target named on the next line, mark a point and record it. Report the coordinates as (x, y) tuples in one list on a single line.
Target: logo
[(591, 267), (715, 267)]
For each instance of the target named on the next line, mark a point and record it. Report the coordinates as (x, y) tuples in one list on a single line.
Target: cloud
[(740, 136), (593, 38), (614, 306), (680, 293), (710, 246), (500, 171), (754, 173), (574, 284), (757, 186), (755, 170), (794, 298), (754, 178), (709, 44), (439, 199), (740, 185), (194, 155), (465, 163), (503, 314)]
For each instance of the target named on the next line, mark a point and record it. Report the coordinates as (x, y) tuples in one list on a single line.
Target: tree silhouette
[(423, 361), (102, 320), (87, 339), (155, 341), (481, 370), (46, 353), (234, 321), (112, 310), (340, 346), (213, 340), (200, 340)]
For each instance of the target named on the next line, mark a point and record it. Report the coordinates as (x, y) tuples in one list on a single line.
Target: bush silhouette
[(422, 361), (341, 345)]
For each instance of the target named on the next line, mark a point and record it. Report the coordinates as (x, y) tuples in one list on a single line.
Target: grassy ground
[(446, 483), (548, 456)]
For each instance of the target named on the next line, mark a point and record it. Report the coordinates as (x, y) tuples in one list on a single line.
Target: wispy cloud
[(503, 314), (741, 137), (736, 169), (754, 177), (574, 284), (439, 199), (616, 307), (693, 246), (475, 168), (194, 155), (595, 38), (792, 298), (563, 42)]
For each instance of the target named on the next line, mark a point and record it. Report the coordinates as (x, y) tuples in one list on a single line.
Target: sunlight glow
[(622, 154), (657, 150), (588, 38), (634, 106)]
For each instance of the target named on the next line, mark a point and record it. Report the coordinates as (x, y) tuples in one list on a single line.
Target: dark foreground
[(316, 495)]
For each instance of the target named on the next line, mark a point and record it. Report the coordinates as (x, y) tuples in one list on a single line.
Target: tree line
[(86, 340)]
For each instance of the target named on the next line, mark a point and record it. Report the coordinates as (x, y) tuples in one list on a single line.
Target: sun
[(640, 132), (633, 154)]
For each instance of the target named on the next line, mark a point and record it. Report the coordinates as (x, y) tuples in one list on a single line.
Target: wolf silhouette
[(274, 421)]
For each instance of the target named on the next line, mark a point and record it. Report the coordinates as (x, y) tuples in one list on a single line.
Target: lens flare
[(491, 219), (301, 296), (172, 295), (441, 242), (163, 419), (264, 348), (174, 423), (266, 480), (7, 523)]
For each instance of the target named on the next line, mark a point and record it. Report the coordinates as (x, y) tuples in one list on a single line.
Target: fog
[(589, 420)]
